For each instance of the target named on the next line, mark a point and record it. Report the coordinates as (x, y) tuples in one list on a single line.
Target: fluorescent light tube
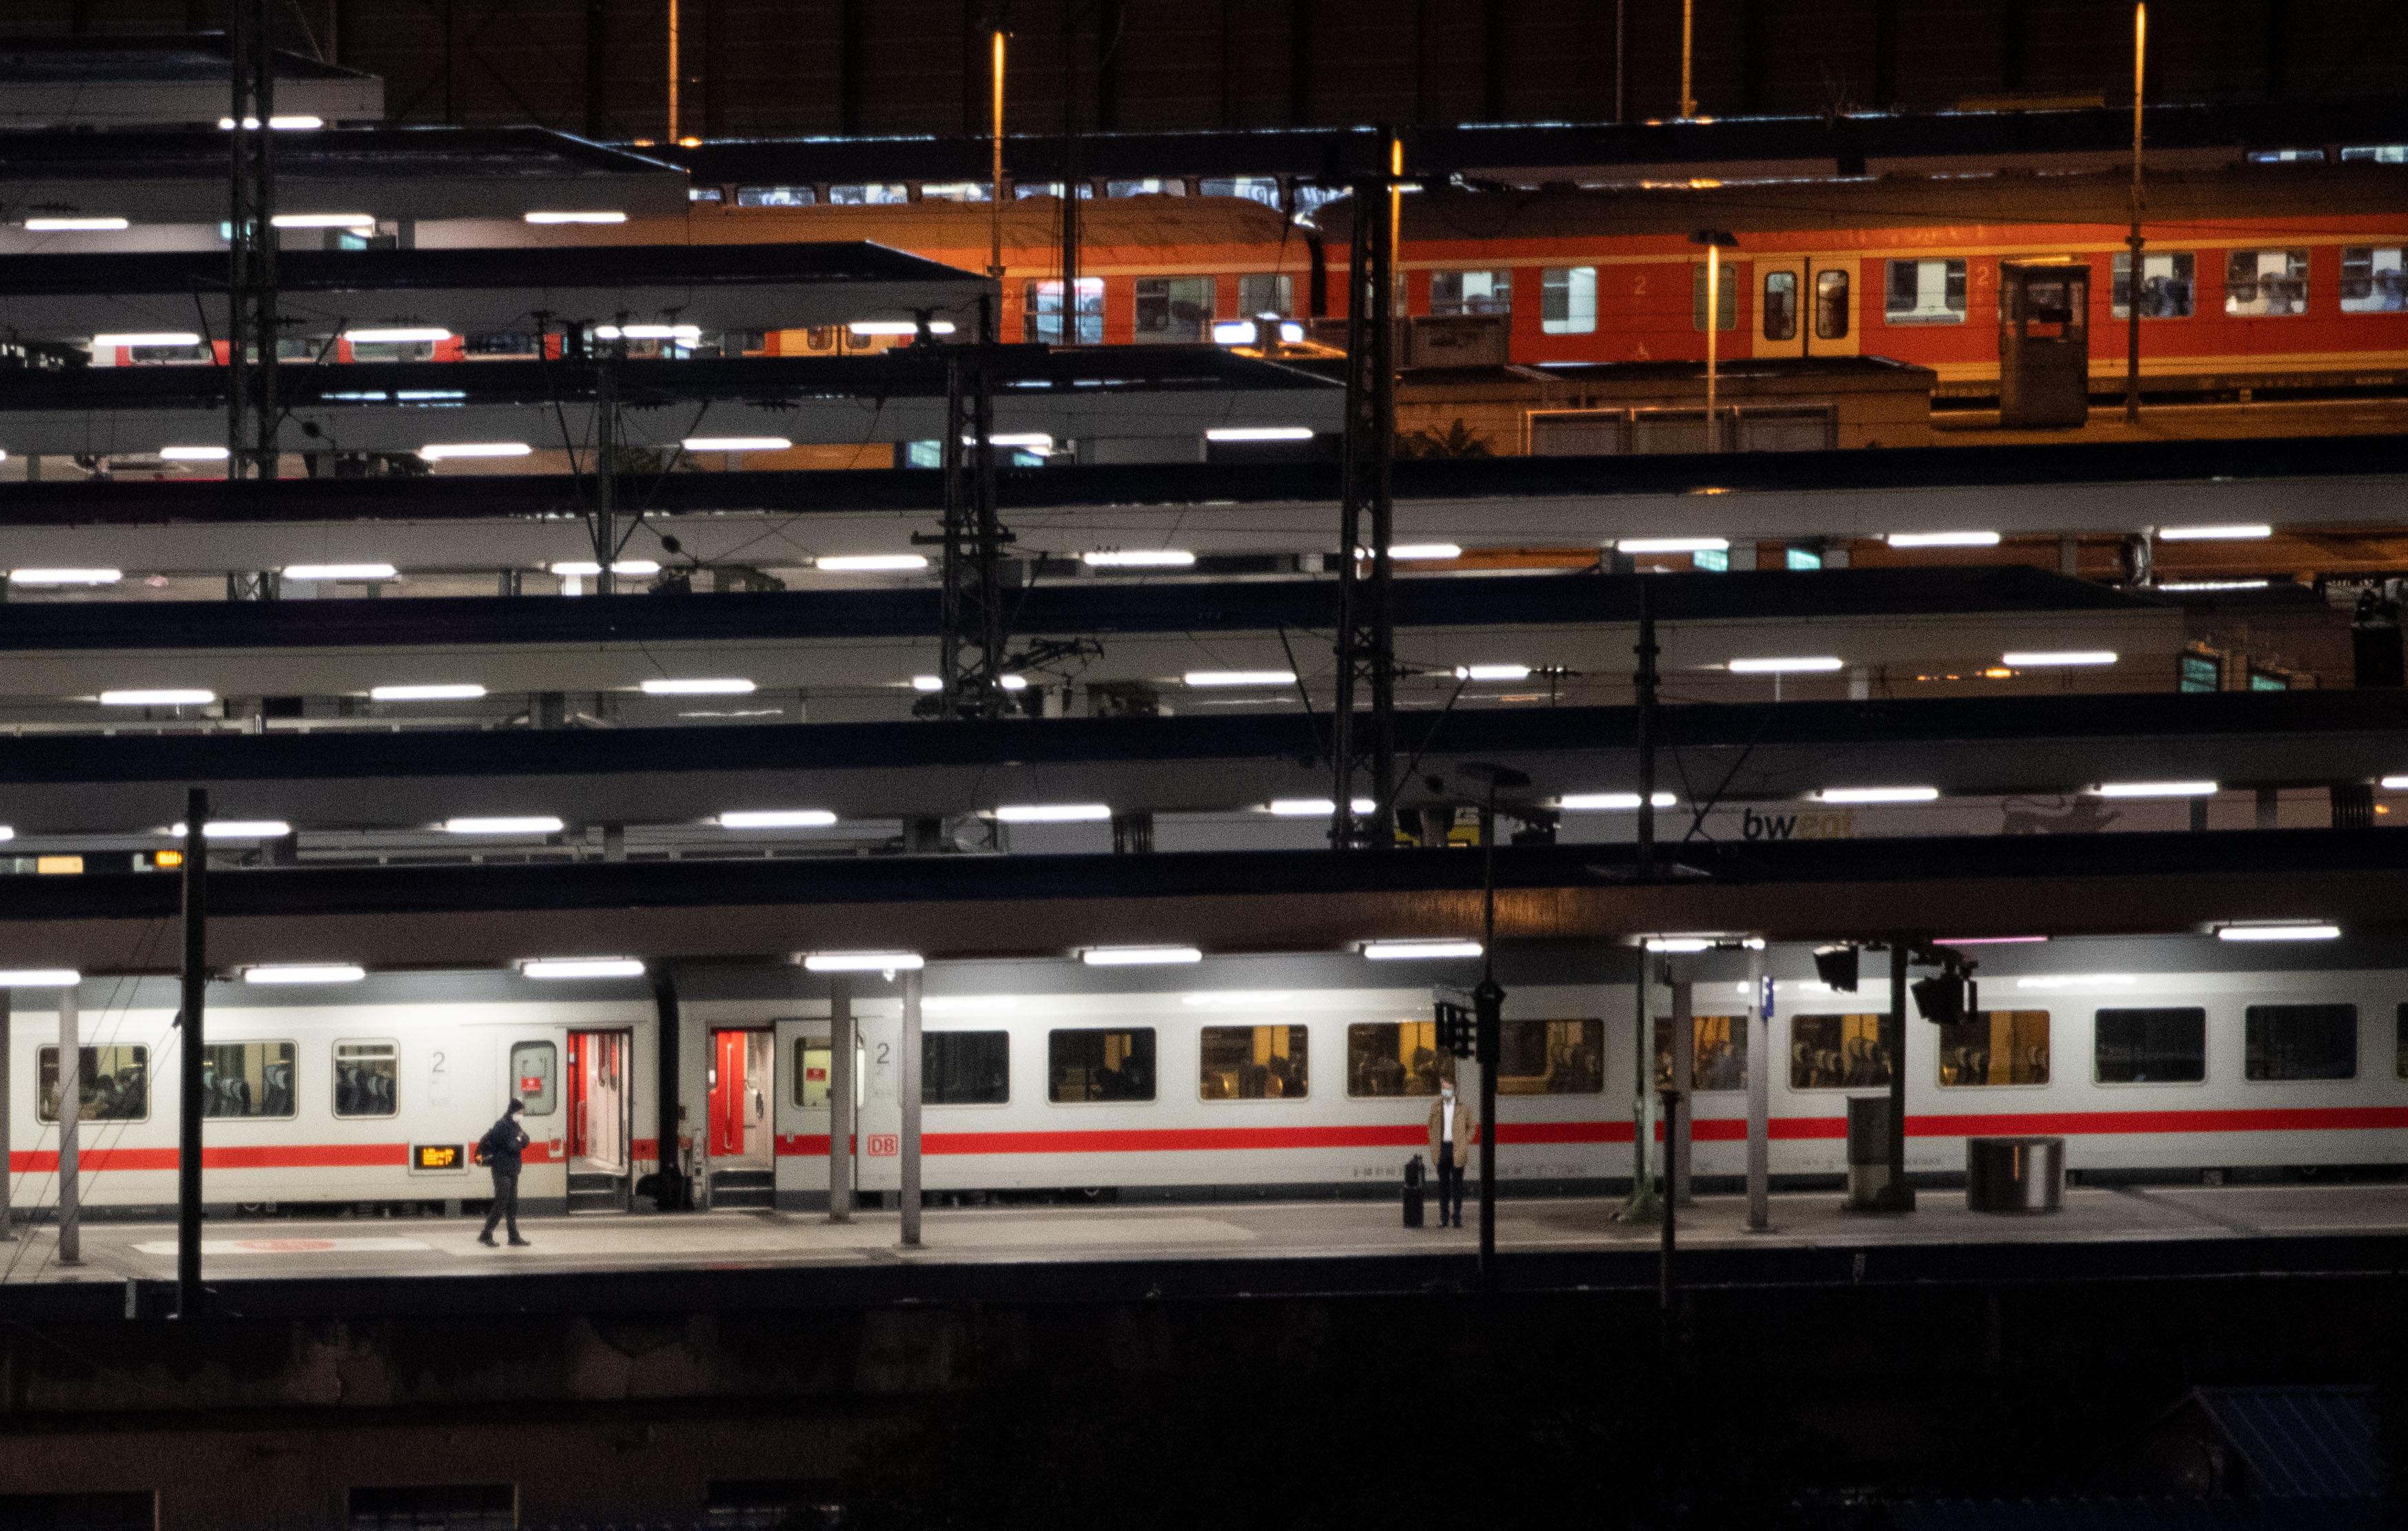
[(306, 972), (1672, 545), (1943, 539), (1492, 672), (1416, 553), (1137, 558), (1415, 951), (1315, 808), (2303, 931), (74, 225), (340, 571), (39, 977), (148, 337), (1877, 794), (871, 563), (237, 829), (737, 443), (465, 690), (1239, 677), (324, 220), (444, 450), (1259, 433), (399, 335), (2248, 532), (1582, 802), (2154, 789), (777, 818), (1053, 813), (543, 218), (728, 686), (2034, 659), (159, 696), (194, 454), (582, 968), (507, 824), (1138, 956), (1815, 664), (898, 326), (574, 567), (864, 961), (64, 577)]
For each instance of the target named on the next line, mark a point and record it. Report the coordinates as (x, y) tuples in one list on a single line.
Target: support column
[(70, 1113), (908, 1196), (669, 1120), (1899, 1196), (1676, 1123), (191, 1053), (1642, 1207), (8, 1174), (1759, 1095), (841, 1046)]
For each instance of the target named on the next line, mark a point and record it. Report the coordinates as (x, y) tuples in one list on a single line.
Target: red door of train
[(600, 1121), (743, 1163)]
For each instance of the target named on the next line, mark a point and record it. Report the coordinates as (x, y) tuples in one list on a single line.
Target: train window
[(1779, 306), (1262, 293), (1995, 1047), (112, 1084), (1550, 1058), (869, 195), (776, 196), (1830, 306), (404, 350), (453, 1506), (954, 191), (2165, 286), (1395, 1058), (2376, 153), (2371, 280), (1725, 298), (1040, 308), (1252, 1062), (1837, 1053), (1717, 1052), (1262, 188), (495, 343), (1151, 186), (2200, 672), (965, 1067), (1174, 307), (2151, 1046), (1925, 292), (1099, 1062), (247, 1078), (814, 1062), (2265, 283), (2300, 1043), (1567, 299), (534, 1065), (1470, 293), (368, 1079)]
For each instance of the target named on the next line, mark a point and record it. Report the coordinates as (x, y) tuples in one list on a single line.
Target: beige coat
[(1467, 1129)]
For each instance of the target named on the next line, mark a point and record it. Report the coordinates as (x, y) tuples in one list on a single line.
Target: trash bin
[(1867, 1151), (1414, 1196), (2015, 1174)]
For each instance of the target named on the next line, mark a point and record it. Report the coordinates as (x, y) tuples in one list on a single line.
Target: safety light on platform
[(1943, 539), (871, 563), (864, 961), (324, 220), (578, 568), (1315, 808), (340, 571), (399, 335), (868, 328), (236, 829), (1208, 679), (74, 225), (1877, 794), (648, 332), (1418, 950), (194, 454), (1053, 813), (1138, 956), (159, 696), (2154, 789), (701, 686), (505, 823), (2279, 930), (2038, 659), (306, 972), (146, 337), (442, 451), (65, 576), (1804, 664), (2238, 532), (549, 218), (1672, 545), (464, 691), (1234, 332), (1139, 558), (39, 977), (1591, 802), (582, 968), (1259, 433), (737, 443), (777, 818), (1417, 553), (1492, 672)]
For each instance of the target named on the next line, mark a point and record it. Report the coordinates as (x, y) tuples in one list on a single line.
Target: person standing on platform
[(502, 1147), (1453, 1125)]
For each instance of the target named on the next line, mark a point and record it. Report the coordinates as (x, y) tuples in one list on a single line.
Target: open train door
[(601, 1122), (743, 1164), (1779, 306)]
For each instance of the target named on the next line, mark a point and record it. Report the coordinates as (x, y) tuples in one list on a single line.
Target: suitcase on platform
[(1415, 1197)]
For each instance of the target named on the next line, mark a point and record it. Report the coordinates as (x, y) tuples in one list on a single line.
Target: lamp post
[(1488, 1002), (1715, 241), (2132, 279)]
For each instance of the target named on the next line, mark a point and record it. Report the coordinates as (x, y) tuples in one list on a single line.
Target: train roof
[(2288, 193)]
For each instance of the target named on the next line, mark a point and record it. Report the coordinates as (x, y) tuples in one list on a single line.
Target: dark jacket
[(502, 1144)]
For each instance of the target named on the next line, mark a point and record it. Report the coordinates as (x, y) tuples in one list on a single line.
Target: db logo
[(885, 1145)]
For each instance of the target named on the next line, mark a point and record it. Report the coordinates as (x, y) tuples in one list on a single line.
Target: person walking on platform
[(501, 1148), (1453, 1125)]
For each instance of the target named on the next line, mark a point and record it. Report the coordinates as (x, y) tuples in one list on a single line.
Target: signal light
[(1941, 998), (1837, 967)]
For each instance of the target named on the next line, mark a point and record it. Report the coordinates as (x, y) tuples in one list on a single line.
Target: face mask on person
[(1447, 1092)]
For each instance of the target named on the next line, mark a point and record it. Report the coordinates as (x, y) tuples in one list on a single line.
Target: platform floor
[(2187, 422), (284, 1250)]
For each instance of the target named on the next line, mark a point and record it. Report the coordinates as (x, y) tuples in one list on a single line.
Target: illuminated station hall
[(1087, 764)]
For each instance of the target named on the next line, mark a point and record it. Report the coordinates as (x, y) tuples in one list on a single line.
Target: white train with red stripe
[(1235, 1077)]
